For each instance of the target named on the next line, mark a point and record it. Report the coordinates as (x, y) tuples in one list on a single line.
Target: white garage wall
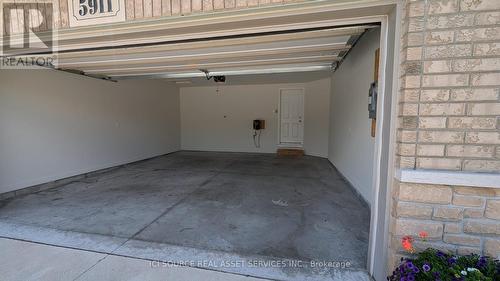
[(351, 147), (55, 125), (204, 127), (316, 120)]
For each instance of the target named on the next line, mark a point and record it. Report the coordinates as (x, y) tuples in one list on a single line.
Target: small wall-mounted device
[(372, 107), (258, 126), (372, 101), (217, 78), (220, 79)]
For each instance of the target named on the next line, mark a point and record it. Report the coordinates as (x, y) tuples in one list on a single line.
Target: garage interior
[(138, 151)]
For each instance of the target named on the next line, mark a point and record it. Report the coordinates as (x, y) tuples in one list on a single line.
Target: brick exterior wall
[(450, 71), (458, 219), (150, 9), (449, 119), (164, 8)]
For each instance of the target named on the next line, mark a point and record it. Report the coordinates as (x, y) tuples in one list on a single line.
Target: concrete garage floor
[(204, 205)]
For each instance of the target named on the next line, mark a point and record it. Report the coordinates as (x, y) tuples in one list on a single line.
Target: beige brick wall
[(458, 219), (449, 114), (449, 119), (163, 8), (149, 9)]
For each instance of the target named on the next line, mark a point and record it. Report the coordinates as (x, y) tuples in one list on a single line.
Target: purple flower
[(440, 254), (426, 267), (481, 262), (410, 265), (411, 278), (452, 260)]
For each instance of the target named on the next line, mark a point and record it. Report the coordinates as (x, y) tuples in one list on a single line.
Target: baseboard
[(251, 152), (225, 151), (290, 145)]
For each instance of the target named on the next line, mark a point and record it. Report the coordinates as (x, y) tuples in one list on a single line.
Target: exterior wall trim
[(491, 180), (222, 23)]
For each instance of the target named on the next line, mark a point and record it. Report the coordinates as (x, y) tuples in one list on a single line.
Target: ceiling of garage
[(275, 52)]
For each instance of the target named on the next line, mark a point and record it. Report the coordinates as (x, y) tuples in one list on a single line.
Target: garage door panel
[(219, 43), (320, 47), (180, 49), (196, 67), (308, 51)]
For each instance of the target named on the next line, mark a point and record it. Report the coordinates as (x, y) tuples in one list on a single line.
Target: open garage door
[(275, 52)]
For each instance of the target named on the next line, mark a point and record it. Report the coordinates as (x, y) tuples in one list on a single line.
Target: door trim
[(385, 143), (285, 144)]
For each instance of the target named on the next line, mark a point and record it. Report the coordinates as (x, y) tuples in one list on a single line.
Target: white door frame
[(384, 147), (279, 143), (383, 164)]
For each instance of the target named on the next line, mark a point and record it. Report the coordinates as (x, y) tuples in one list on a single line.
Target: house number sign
[(92, 12)]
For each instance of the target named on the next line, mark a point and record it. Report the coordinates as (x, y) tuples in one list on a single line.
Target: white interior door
[(292, 116)]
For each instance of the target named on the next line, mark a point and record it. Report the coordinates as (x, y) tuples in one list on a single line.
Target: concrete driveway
[(26, 261)]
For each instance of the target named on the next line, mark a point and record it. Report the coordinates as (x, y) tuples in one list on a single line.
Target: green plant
[(435, 265)]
